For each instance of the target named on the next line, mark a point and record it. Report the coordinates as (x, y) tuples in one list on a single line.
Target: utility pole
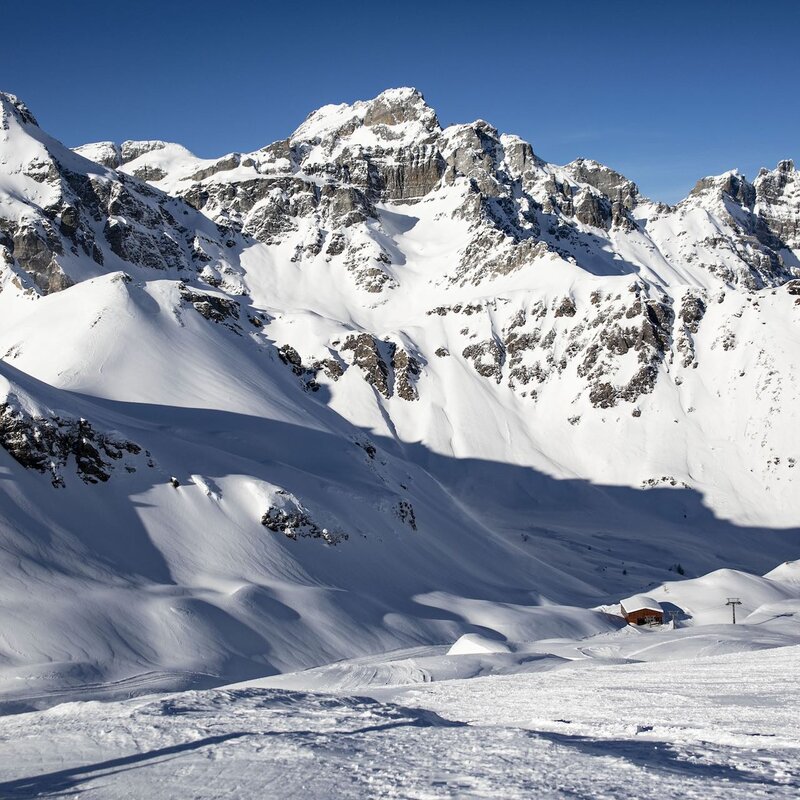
[(733, 602), (672, 615)]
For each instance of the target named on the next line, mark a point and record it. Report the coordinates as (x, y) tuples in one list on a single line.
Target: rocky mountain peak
[(396, 116), (606, 180), (731, 183), (399, 106), (105, 153), (778, 203), (11, 105)]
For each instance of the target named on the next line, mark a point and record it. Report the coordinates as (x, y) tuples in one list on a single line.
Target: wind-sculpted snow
[(274, 402), (722, 727)]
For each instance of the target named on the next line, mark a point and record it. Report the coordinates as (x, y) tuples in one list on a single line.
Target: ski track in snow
[(721, 727)]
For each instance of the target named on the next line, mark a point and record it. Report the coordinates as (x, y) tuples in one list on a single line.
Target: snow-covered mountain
[(375, 385)]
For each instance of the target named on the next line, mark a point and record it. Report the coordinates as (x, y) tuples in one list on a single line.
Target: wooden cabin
[(642, 610)]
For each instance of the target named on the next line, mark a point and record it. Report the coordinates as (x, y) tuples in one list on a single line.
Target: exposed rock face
[(614, 346), (592, 209), (731, 184), (330, 367), (415, 172), (777, 203), (387, 367), (649, 336), (487, 357), (325, 196), (620, 194), (605, 180), (49, 444), (762, 218), (215, 308), (15, 108), (321, 187), (368, 358), (36, 248), (692, 310), (291, 357), (566, 308), (294, 522), (79, 209), (406, 371)]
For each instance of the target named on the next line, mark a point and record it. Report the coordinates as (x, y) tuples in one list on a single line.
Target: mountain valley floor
[(702, 711)]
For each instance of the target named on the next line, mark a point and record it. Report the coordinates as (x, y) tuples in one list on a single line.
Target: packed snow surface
[(685, 710), (725, 726)]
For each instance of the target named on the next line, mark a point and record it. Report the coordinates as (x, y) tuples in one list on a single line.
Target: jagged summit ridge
[(392, 149), (395, 114), (12, 105), (65, 218)]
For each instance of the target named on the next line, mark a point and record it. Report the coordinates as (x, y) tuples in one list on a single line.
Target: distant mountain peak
[(395, 114), (11, 104)]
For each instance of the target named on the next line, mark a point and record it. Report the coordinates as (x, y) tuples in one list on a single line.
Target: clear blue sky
[(665, 91)]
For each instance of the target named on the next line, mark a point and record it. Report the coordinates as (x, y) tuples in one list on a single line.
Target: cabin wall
[(632, 617)]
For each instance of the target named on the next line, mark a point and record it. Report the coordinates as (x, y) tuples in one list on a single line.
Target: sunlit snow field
[(701, 710), (396, 575)]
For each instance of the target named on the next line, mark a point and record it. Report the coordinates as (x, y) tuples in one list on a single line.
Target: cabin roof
[(640, 602)]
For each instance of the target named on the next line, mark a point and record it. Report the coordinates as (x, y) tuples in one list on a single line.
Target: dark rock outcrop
[(49, 444), (294, 522), (487, 358), (406, 371), (213, 307), (368, 358)]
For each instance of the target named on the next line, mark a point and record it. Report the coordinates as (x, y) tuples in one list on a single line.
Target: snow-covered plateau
[(370, 412)]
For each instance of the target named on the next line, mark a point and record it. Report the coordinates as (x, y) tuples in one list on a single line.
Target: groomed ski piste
[(693, 708)]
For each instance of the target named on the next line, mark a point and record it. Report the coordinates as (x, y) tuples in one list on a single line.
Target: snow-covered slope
[(374, 386), (723, 727)]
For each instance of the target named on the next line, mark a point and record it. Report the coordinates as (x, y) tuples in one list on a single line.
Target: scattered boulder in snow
[(405, 511), (368, 447)]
